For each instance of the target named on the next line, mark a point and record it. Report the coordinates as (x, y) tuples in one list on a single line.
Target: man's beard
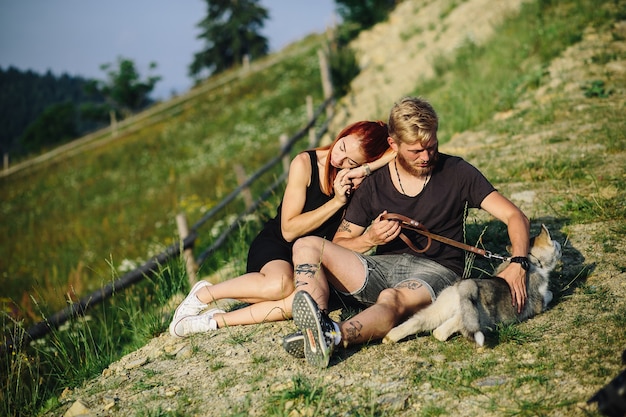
[(415, 170)]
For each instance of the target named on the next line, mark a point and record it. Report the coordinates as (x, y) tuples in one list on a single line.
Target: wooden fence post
[(240, 172), (245, 63), (327, 84), (286, 159), (113, 122), (5, 161), (310, 114), (190, 263)]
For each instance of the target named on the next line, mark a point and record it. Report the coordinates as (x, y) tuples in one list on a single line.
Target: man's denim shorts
[(389, 271)]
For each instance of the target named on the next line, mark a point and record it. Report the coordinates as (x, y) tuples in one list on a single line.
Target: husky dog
[(472, 305)]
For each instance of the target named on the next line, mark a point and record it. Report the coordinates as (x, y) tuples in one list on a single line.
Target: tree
[(124, 90), (358, 15), (230, 31), (57, 124), (25, 95)]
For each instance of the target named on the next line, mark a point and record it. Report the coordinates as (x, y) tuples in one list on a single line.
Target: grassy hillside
[(70, 218)]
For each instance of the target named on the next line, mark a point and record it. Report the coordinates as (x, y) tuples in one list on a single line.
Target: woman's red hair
[(373, 143)]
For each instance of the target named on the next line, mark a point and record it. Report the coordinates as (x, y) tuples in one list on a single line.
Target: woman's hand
[(342, 185), (356, 175)]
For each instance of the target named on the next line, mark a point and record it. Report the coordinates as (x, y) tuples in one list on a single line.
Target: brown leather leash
[(408, 223)]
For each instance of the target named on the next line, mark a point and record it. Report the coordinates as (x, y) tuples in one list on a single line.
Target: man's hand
[(515, 276), (383, 231)]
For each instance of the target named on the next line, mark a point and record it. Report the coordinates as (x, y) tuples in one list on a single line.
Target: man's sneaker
[(294, 344), (191, 306), (195, 324), (320, 332)]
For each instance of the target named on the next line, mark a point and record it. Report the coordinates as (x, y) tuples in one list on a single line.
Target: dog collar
[(522, 260)]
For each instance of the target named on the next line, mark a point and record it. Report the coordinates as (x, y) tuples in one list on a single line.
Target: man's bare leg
[(317, 261), (393, 306)]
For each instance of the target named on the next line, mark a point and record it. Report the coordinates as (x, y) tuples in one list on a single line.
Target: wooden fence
[(186, 244)]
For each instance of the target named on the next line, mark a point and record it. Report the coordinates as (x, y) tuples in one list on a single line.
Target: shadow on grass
[(572, 272)]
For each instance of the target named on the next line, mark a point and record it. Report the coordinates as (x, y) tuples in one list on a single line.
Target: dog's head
[(545, 253)]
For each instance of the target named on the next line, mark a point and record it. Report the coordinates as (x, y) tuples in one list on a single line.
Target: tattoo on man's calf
[(353, 332), (308, 270)]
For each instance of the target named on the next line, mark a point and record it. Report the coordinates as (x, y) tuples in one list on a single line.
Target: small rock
[(65, 394), (136, 363), (490, 382), (184, 352), (172, 391), (109, 402), (78, 409)]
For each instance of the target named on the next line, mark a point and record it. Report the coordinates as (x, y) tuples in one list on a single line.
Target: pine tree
[(230, 32), (124, 89)]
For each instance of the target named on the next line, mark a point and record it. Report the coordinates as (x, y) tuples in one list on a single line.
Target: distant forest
[(40, 111)]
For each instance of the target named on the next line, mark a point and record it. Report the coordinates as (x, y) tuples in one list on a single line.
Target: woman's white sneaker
[(191, 306), (195, 324)]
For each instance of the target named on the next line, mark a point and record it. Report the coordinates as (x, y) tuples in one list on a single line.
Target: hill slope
[(558, 152)]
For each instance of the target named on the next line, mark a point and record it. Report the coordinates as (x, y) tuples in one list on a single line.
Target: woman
[(317, 191)]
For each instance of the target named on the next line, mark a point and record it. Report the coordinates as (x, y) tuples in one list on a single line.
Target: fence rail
[(151, 266)]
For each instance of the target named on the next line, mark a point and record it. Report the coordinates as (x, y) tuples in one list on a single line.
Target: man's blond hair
[(413, 120)]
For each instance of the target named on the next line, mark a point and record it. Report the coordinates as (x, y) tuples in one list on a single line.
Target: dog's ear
[(543, 238)]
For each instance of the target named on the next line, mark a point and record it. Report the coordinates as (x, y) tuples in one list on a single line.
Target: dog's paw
[(393, 336), (388, 340), (479, 338), (438, 334), (547, 298)]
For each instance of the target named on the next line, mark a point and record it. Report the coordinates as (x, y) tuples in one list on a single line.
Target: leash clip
[(489, 255)]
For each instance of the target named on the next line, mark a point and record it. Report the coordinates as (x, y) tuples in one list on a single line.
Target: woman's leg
[(269, 291), (262, 312), (274, 282)]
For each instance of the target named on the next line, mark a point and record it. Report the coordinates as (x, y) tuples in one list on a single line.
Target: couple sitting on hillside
[(315, 244)]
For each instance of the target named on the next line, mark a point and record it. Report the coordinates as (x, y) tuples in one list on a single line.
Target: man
[(393, 284)]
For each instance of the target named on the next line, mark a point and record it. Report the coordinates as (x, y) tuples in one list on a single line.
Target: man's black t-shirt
[(440, 207)]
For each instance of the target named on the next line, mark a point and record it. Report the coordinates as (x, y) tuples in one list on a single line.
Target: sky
[(78, 36)]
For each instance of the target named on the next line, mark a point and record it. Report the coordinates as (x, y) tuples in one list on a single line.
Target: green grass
[(82, 347), (482, 80), (119, 202)]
